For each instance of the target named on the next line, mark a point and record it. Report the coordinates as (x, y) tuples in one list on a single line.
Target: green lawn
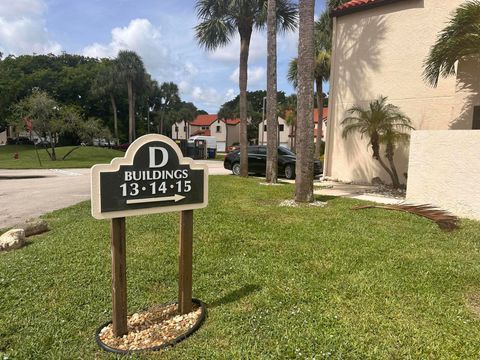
[(83, 157), (278, 282)]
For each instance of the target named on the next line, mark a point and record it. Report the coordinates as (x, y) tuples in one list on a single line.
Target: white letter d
[(153, 163)]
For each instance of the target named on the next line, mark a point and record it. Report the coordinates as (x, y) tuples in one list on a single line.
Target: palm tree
[(131, 69), (168, 97), (459, 40), (381, 123), (106, 84), (220, 20), (322, 73), (272, 120), (306, 68)]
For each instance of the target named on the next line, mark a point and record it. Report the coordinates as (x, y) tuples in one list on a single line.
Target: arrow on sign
[(175, 198)]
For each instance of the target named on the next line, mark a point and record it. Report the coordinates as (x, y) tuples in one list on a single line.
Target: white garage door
[(221, 146)]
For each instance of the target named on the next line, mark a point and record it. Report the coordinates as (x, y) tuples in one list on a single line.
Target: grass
[(220, 156), (83, 157), (278, 282)]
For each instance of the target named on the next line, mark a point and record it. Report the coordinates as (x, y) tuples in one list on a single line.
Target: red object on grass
[(28, 124)]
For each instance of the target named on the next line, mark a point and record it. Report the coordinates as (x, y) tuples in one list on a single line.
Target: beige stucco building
[(379, 47), (226, 131), (180, 130), (286, 132)]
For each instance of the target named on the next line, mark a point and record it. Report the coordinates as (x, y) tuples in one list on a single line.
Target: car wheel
[(289, 172), (236, 169)]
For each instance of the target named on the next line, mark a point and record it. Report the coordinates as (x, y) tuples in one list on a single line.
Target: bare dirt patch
[(472, 300)]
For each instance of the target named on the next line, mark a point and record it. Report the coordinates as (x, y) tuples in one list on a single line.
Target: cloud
[(190, 69), (206, 95), (256, 75), (230, 95), (231, 52), (23, 28), (141, 36)]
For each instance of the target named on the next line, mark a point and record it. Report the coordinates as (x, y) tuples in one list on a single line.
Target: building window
[(281, 127), (176, 128), (204, 128), (265, 128), (476, 118), (219, 129), (185, 128)]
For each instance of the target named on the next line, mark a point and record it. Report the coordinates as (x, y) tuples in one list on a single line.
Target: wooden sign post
[(119, 276), (153, 177), (185, 262)]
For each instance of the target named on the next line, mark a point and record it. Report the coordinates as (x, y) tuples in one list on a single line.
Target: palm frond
[(287, 15), (214, 33), (292, 74), (445, 220), (460, 39), (352, 127)]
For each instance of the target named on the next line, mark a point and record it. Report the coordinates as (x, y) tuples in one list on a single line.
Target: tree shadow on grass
[(325, 198), (235, 295)]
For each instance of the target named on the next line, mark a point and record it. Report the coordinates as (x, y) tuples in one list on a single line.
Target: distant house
[(286, 132), (180, 130), (3, 137), (379, 48), (226, 131)]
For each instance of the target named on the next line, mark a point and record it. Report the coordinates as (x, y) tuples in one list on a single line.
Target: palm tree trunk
[(134, 115), (394, 175), (306, 63), (131, 115), (318, 144), (272, 121), (245, 35), (115, 117)]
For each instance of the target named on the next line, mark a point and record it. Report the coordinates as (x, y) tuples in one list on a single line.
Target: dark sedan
[(257, 161)]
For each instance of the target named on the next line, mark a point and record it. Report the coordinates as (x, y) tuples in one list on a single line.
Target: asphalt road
[(30, 193)]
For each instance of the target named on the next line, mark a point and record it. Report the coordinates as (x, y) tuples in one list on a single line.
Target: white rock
[(12, 239)]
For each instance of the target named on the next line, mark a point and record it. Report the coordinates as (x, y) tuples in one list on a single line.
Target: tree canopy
[(93, 87)]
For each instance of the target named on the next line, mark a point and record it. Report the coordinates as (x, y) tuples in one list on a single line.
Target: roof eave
[(358, 8)]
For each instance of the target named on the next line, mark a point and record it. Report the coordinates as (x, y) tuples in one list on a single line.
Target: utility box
[(197, 149)]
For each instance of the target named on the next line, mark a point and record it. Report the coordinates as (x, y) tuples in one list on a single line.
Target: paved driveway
[(31, 193)]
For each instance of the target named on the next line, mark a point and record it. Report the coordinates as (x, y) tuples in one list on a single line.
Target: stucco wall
[(444, 170), (284, 139), (181, 134), (381, 51), (233, 134)]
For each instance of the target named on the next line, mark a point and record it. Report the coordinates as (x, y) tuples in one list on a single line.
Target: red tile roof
[(357, 5), (315, 114), (204, 120), (231, 121), (354, 3)]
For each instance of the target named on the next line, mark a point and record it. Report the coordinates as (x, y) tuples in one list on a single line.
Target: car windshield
[(284, 151)]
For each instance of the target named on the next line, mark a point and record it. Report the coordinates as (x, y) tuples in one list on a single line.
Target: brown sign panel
[(153, 177)]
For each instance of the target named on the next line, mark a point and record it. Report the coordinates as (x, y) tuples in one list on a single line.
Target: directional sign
[(153, 177)]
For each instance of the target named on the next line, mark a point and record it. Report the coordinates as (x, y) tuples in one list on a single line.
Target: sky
[(161, 32)]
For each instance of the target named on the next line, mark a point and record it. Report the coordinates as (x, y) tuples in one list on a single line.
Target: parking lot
[(31, 193)]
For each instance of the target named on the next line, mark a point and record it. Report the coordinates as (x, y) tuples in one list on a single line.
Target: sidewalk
[(332, 188)]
